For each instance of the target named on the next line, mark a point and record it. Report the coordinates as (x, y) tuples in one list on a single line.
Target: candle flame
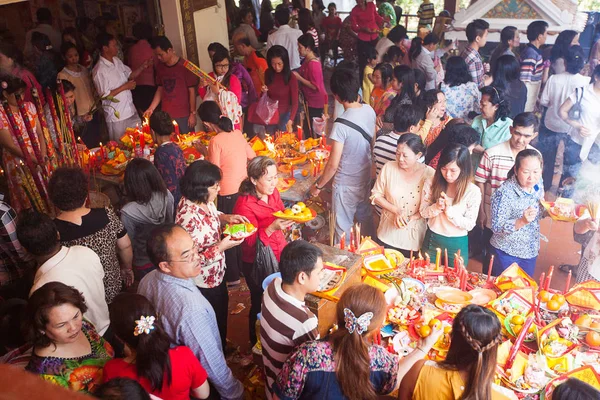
[(420, 256), (175, 123)]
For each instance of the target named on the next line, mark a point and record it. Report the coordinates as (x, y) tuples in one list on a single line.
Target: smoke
[(587, 185)]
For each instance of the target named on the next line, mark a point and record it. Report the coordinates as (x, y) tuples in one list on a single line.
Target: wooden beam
[(450, 5)]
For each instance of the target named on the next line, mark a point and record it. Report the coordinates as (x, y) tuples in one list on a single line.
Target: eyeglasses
[(223, 66), (190, 257)]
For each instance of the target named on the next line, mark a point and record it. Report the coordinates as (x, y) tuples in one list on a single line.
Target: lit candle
[(142, 141), (79, 140), (299, 133), (101, 151), (489, 278), (343, 241), (176, 127), (352, 239), (568, 281), (323, 140), (438, 257), (292, 170), (427, 260)]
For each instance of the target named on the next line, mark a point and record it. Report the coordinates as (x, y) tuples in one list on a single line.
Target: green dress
[(81, 374), (387, 10)]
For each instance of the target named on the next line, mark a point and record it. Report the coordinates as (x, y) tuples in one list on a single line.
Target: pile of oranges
[(425, 330), (553, 301), (592, 338)]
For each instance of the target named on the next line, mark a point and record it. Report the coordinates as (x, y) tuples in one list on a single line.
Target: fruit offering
[(299, 212), (558, 338), (514, 326), (239, 231)]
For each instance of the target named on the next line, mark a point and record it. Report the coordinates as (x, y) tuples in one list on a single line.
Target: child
[(168, 158), (286, 322), (393, 56), (367, 85), (331, 25), (426, 13)]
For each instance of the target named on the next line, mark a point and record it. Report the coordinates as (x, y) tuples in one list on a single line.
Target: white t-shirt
[(590, 118), (287, 37), (109, 76), (556, 92), (81, 268)]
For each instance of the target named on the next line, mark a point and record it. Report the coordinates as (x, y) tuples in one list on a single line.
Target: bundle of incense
[(331, 228), (44, 126), (55, 121), (61, 90), (200, 73), (593, 208), (30, 132)]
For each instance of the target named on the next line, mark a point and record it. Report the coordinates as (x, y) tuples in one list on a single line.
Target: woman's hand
[(280, 224), (88, 117), (427, 343), (264, 89), (289, 126), (234, 219), (379, 122), (432, 113), (203, 81), (529, 215), (441, 203), (228, 242), (214, 88), (127, 276), (202, 149), (583, 131), (591, 225)]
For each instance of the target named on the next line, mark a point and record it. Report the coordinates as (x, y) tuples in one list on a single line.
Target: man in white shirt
[(75, 266), (286, 36), (44, 20), (113, 78)]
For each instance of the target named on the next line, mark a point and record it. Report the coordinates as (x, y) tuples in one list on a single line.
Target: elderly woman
[(259, 199), (198, 215), (97, 228), (398, 192), (516, 214), (67, 350), (462, 94)]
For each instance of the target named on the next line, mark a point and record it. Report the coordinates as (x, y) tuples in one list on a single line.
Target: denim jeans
[(547, 144), (283, 119), (349, 203)]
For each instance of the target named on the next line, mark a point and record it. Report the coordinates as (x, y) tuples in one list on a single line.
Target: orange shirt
[(225, 151), (256, 67)]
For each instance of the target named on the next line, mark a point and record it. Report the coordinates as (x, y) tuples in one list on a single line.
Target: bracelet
[(318, 188)]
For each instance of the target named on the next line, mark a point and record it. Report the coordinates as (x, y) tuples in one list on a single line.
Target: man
[(497, 161), (187, 317), (44, 25), (75, 266), (16, 266), (176, 92), (286, 322), (115, 79), (255, 65), (532, 62), (350, 160), (286, 36), (477, 33)]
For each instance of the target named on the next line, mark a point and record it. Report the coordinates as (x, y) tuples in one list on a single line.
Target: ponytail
[(415, 48), (225, 124), (209, 111)]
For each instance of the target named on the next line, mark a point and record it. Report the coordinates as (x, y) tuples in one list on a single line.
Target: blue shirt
[(189, 320), (509, 202)]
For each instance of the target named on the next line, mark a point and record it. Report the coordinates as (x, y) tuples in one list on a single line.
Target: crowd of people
[(431, 148)]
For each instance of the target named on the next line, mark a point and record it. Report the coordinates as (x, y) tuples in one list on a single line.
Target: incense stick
[(331, 228)]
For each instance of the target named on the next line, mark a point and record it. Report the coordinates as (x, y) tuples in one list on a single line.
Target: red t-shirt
[(186, 374), (175, 81), (332, 26)]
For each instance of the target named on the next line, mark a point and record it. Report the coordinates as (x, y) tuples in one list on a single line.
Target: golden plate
[(454, 296), (482, 296), (280, 214)]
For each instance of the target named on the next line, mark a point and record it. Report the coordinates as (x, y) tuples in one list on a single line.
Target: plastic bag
[(265, 263), (266, 109)]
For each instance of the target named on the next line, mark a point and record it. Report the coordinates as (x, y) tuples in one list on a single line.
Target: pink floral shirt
[(205, 229)]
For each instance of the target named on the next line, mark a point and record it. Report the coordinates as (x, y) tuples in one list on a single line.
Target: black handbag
[(265, 263)]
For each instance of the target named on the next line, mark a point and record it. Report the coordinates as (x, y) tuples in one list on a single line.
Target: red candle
[(343, 241), (568, 281), (101, 151), (299, 133), (549, 278), (542, 280), (489, 278), (142, 141), (323, 140), (176, 126)]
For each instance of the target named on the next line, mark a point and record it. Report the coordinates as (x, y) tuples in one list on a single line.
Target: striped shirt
[(285, 323), (532, 64), (385, 149), (426, 14), (493, 170)]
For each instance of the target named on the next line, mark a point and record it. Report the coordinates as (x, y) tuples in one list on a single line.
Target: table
[(325, 310), (299, 190)]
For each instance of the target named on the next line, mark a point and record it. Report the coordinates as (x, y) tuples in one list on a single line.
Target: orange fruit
[(447, 329), (435, 323), (517, 329), (424, 331), (559, 298), (531, 328), (553, 305), (593, 338), (517, 319), (544, 296), (584, 321), (304, 172)]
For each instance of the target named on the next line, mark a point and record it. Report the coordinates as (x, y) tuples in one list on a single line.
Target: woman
[(585, 232), (198, 215), (556, 91), (462, 94), (581, 144), (11, 61), (137, 54), (383, 92), (348, 40), (451, 204), (403, 83), (318, 15), (310, 75), (67, 350), (281, 85), (71, 35), (494, 123), (395, 37), (509, 39), (246, 27), (46, 61), (393, 56), (564, 41), (366, 23), (516, 214), (398, 192), (387, 12), (307, 26), (149, 204), (469, 368), (331, 26), (259, 199), (267, 23), (575, 389), (436, 118), (506, 78), (168, 373), (12, 156), (97, 228), (455, 132), (225, 151), (225, 88), (420, 57), (346, 365)]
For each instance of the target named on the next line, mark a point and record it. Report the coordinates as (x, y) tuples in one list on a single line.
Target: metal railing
[(413, 18)]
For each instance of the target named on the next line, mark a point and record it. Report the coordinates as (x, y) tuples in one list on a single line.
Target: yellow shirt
[(367, 85), (448, 385)]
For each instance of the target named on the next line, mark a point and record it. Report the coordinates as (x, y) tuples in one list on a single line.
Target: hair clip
[(360, 324), (144, 325)]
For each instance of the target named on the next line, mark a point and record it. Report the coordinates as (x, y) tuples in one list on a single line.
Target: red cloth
[(175, 81), (287, 95), (260, 214), (186, 374), (365, 18), (332, 26), (313, 72), (234, 86), (136, 56)]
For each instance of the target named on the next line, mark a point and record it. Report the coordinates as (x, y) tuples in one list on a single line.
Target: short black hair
[(535, 29), (161, 41), (161, 123), (457, 72), (476, 28), (397, 34), (67, 85), (216, 46), (344, 84), (370, 53), (103, 39), (121, 389), (156, 245), (574, 59), (198, 177), (462, 134), (282, 15), (68, 188), (142, 180), (526, 119), (142, 30), (407, 116), (413, 141), (245, 40), (298, 256), (66, 46), (37, 233), (43, 15), (575, 389)]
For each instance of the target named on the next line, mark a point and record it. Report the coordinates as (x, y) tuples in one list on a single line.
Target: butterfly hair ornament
[(144, 325), (360, 324)]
